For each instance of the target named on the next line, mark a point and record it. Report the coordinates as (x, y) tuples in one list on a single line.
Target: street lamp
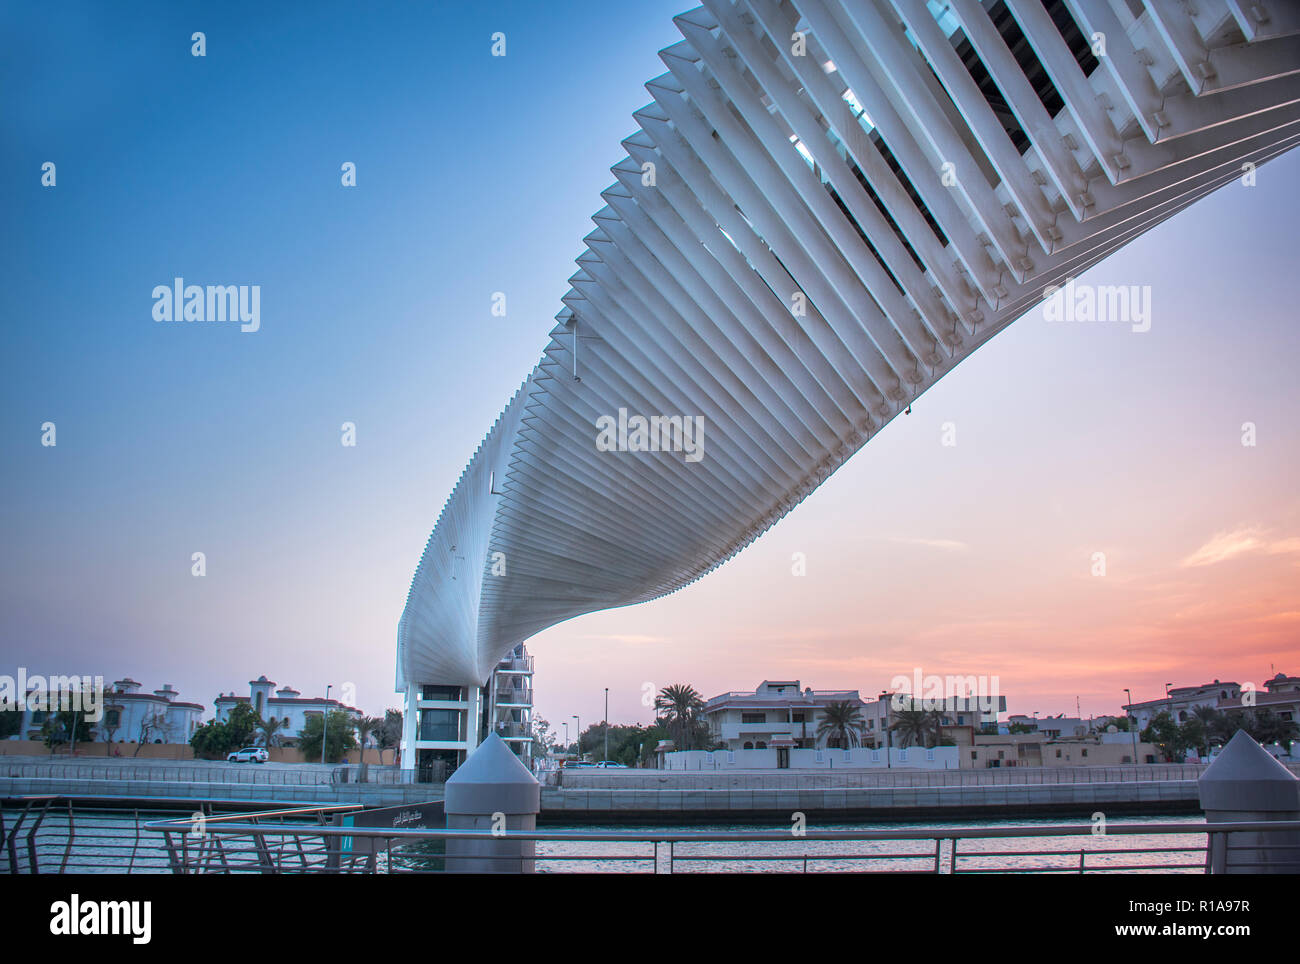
[(606, 724), (577, 728), (324, 722), (565, 724), (1132, 725), (889, 734)]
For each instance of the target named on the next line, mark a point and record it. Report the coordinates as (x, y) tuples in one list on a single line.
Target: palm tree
[(365, 725), (912, 727), (935, 724), (1266, 727), (1213, 727), (270, 730), (841, 721), (679, 705)]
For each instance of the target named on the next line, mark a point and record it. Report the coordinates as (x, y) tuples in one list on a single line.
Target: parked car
[(611, 765), (249, 754)]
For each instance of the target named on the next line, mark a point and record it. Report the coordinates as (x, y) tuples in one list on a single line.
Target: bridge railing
[(234, 847)]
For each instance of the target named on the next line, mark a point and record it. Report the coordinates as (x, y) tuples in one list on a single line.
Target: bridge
[(828, 204)]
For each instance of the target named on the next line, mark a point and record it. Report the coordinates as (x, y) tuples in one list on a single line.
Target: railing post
[(1246, 784), (492, 791)]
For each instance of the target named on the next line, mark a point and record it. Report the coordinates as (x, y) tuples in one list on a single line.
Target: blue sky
[(476, 175)]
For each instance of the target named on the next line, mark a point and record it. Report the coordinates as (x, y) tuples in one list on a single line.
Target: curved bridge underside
[(827, 206)]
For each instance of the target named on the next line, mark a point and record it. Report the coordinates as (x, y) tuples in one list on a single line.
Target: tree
[(841, 721), (111, 723), (543, 738), (151, 725), (270, 730), (365, 725), (389, 736), (1163, 732), (211, 741), (242, 723), (66, 726), (1214, 727), (1266, 727), (912, 727), (337, 735), (680, 705)]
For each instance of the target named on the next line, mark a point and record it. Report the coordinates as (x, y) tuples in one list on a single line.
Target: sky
[(478, 174)]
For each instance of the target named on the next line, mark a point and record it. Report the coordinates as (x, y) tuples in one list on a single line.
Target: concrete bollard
[(1246, 784), (492, 790)]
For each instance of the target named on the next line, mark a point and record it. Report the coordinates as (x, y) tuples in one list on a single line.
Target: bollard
[(492, 790), (1245, 784)]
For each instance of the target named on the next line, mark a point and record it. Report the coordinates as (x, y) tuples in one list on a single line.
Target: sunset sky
[(479, 174)]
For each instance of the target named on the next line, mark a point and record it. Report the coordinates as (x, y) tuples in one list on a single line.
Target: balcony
[(512, 731), (514, 697), (515, 665), (736, 731)]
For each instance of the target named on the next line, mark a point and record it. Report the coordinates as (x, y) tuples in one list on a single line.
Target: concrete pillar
[(492, 789), (1245, 783), (410, 726)]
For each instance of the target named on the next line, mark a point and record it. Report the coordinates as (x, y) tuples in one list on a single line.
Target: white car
[(249, 754)]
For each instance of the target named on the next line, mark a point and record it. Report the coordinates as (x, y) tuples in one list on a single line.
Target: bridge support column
[(1246, 784), (492, 791)]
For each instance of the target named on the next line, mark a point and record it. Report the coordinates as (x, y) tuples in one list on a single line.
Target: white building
[(1280, 695), (443, 722), (1059, 727), (131, 716), (1181, 702), (977, 712), (778, 714), (285, 704)]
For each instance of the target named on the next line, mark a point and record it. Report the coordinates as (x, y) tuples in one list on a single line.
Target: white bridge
[(827, 206)]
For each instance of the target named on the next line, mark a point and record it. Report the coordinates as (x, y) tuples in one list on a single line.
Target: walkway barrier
[(49, 833), (233, 846), (243, 774)]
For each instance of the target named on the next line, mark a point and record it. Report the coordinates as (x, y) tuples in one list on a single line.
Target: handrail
[(945, 833)]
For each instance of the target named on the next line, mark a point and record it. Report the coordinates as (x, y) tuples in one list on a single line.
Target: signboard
[(411, 816)]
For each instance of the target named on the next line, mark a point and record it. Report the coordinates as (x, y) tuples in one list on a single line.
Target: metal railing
[(1164, 848), (722, 777), (49, 833), (215, 772), (243, 774), (52, 834)]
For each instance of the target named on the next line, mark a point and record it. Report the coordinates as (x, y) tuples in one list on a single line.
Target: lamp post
[(606, 724), (324, 722), (577, 728), (889, 735), (565, 724), (1132, 726)]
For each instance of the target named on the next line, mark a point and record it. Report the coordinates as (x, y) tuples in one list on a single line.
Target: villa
[(287, 705)]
